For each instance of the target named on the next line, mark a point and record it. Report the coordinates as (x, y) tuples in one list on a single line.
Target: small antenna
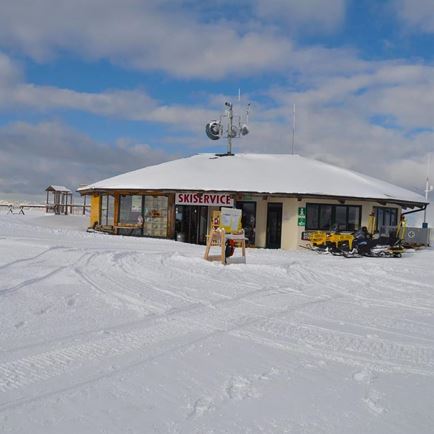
[(428, 187), (293, 129)]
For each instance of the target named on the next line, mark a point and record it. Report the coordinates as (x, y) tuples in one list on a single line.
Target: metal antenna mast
[(215, 129), (293, 129), (230, 130), (428, 188)]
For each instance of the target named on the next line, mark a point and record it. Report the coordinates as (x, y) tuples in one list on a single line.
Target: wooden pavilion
[(61, 199)]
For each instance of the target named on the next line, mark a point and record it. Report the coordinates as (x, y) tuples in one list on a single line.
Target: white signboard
[(230, 219), (204, 199)]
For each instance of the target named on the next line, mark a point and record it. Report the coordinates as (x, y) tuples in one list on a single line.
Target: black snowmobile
[(382, 247)]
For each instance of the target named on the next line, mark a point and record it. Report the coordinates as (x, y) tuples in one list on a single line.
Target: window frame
[(104, 209), (391, 210), (254, 203), (332, 216), (143, 231)]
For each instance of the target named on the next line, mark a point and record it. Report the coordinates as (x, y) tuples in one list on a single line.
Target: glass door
[(191, 224), (274, 226), (248, 220)]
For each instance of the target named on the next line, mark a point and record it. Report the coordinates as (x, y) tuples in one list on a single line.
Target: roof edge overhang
[(382, 200)]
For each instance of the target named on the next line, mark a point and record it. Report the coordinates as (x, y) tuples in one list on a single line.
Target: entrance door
[(248, 220), (191, 223), (274, 225)]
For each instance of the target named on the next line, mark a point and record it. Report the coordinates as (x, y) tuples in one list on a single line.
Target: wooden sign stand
[(217, 238)]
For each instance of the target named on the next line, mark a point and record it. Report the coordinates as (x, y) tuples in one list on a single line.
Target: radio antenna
[(428, 188), (293, 129), (229, 126)]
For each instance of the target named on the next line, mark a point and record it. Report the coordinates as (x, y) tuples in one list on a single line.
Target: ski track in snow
[(168, 302)]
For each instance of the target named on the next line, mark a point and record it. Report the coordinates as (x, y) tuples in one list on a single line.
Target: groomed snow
[(103, 334), (264, 173)]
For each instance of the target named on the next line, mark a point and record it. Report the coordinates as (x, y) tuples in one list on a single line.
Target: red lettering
[(204, 198)]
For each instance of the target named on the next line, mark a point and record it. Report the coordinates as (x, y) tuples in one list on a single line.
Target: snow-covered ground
[(102, 334)]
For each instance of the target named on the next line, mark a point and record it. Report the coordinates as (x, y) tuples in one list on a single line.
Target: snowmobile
[(353, 246), (383, 247), (330, 242)]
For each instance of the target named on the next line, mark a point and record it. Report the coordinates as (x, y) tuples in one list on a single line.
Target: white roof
[(60, 188), (262, 173)]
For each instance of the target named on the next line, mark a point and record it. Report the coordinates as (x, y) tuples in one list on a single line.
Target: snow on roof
[(262, 173), (59, 188)]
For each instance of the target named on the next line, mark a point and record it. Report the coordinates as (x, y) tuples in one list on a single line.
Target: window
[(248, 219), (385, 217), (130, 209), (155, 216), (107, 209), (148, 211), (326, 217)]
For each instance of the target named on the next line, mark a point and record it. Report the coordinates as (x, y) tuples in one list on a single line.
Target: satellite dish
[(213, 130), (244, 130), (233, 133)]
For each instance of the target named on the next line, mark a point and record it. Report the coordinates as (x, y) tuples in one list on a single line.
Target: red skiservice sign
[(205, 199)]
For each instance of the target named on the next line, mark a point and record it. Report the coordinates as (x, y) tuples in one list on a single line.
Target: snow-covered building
[(282, 198)]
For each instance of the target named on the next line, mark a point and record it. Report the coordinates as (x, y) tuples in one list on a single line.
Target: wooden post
[(223, 247), (171, 216), (216, 238), (116, 212), (46, 206)]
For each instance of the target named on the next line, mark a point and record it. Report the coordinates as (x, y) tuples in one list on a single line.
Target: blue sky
[(92, 88)]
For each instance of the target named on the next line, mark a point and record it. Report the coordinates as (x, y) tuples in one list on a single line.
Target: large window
[(130, 209), (155, 216), (107, 209), (248, 219), (386, 217), (332, 217), (148, 211)]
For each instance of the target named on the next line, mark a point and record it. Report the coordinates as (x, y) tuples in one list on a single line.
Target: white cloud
[(148, 35), (417, 14), (122, 104), (307, 15), (9, 71), (60, 155)]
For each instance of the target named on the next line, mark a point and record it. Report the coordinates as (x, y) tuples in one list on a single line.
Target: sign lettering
[(206, 199)]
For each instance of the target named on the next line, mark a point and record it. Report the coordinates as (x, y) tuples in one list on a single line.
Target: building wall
[(367, 208), (289, 219), (291, 232), (94, 209)]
